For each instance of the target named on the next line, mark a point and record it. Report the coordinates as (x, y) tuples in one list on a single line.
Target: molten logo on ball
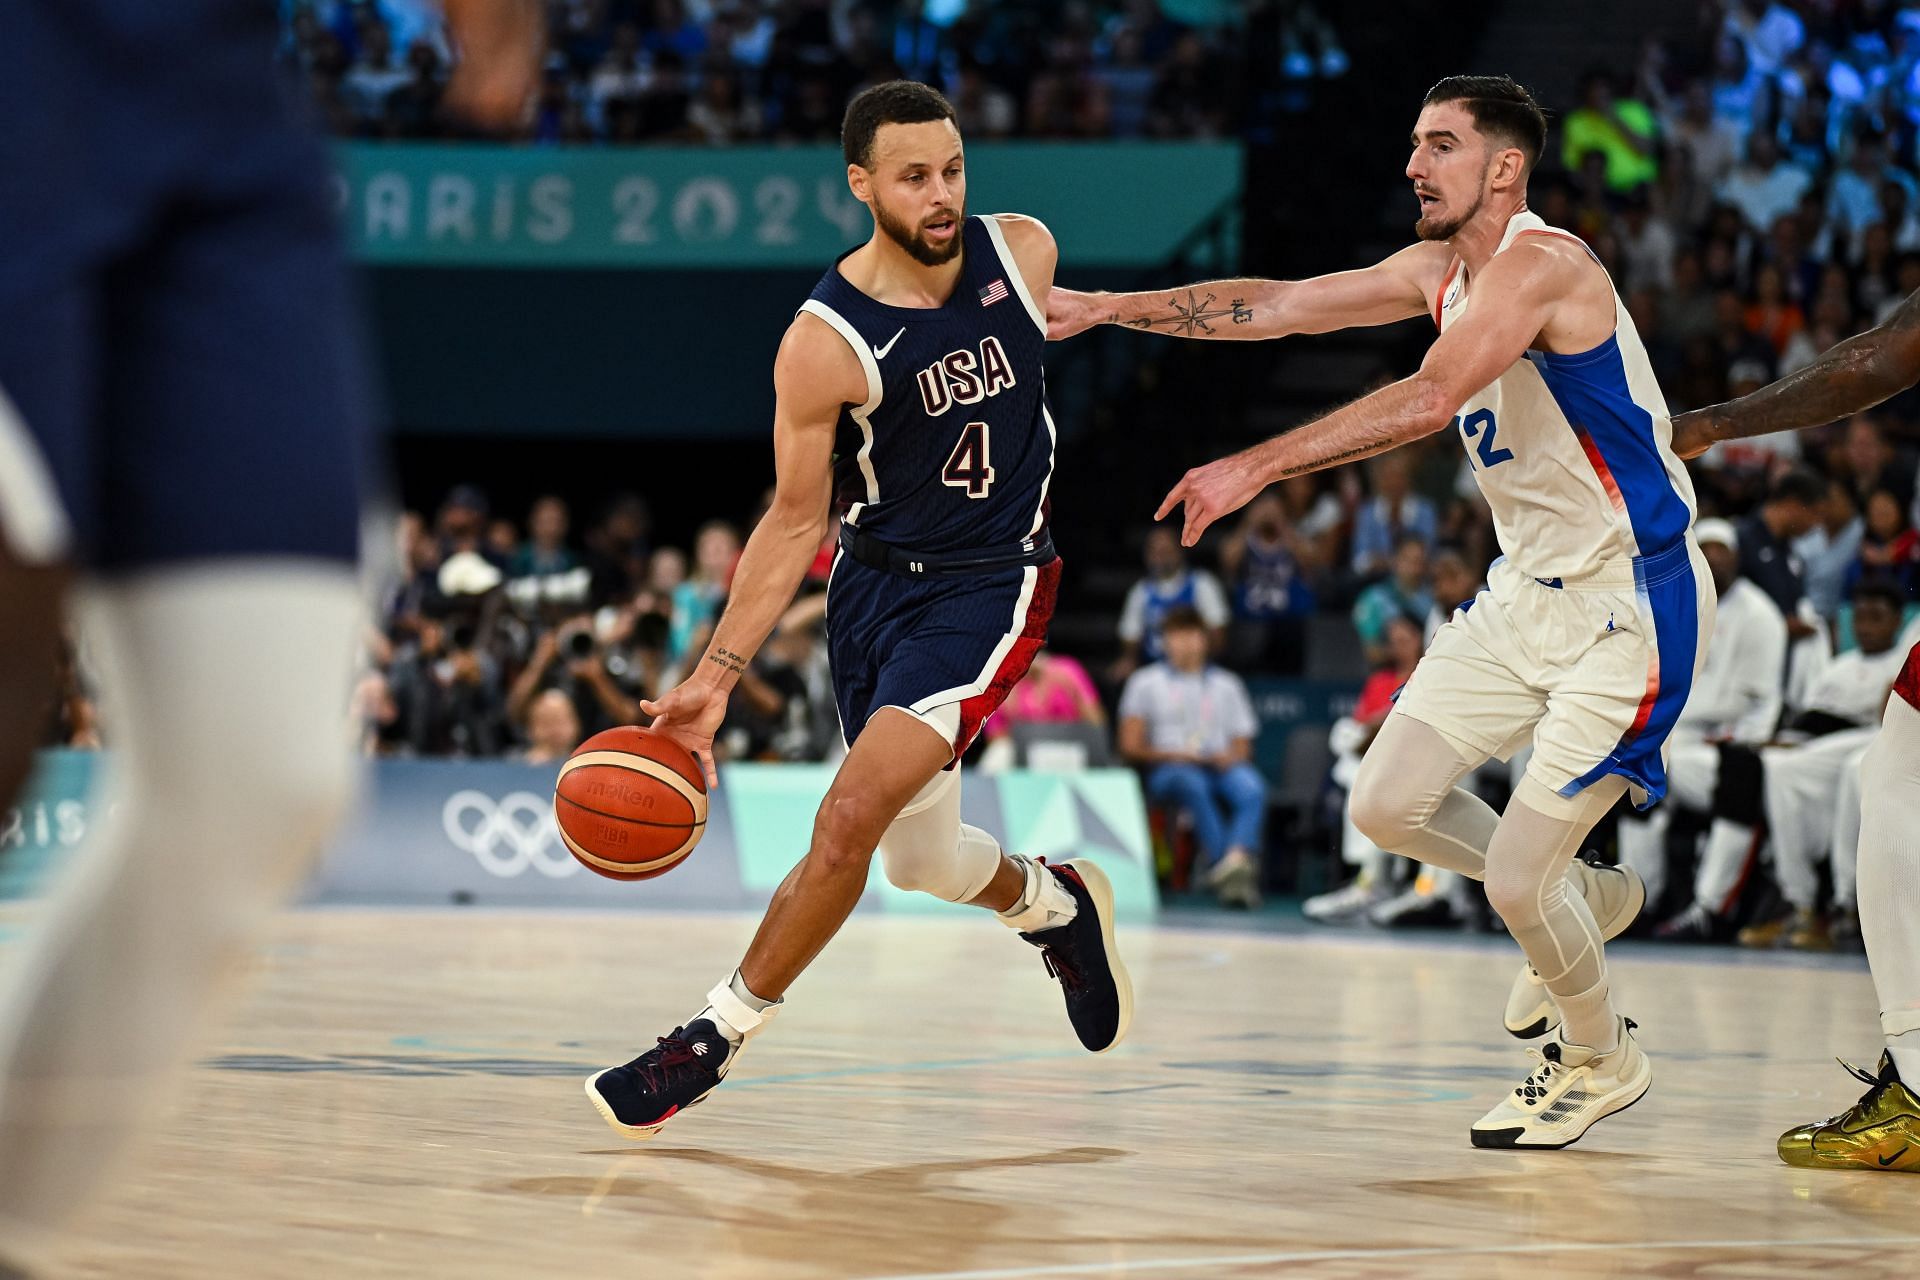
[(630, 803)]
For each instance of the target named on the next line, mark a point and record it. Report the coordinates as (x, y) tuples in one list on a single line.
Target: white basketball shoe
[(1569, 1089), (1615, 895)]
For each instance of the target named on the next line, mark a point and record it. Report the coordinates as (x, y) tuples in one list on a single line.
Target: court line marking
[(1113, 1266)]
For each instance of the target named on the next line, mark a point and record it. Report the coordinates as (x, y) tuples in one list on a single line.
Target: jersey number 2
[(1476, 430), (969, 466)]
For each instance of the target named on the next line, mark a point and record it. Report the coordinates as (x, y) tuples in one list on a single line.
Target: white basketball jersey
[(1573, 452)]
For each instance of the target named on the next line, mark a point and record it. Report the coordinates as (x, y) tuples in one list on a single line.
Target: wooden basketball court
[(400, 1095)]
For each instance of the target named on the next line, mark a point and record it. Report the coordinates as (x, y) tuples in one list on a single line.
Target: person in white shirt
[(1170, 583), (1766, 187), (1800, 779), (1735, 698), (1191, 726)]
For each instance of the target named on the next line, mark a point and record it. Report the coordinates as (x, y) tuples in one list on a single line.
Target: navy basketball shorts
[(945, 650), (180, 370)]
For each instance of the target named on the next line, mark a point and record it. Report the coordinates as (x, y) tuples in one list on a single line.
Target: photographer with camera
[(446, 690), (570, 658)]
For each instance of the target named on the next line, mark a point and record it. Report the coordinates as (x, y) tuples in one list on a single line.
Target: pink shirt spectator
[(1056, 690)]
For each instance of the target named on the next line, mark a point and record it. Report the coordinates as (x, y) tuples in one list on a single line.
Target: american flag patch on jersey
[(993, 293)]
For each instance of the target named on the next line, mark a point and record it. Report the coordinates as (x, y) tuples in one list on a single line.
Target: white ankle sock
[(1906, 1057), (1044, 902), (735, 1010), (1588, 1019)]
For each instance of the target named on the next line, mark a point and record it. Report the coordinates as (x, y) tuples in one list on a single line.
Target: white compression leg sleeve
[(224, 704), (1407, 800), (1889, 880), (1846, 831), (1527, 884), (928, 848)]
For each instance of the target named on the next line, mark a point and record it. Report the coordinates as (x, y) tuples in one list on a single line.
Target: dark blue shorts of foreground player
[(175, 327)]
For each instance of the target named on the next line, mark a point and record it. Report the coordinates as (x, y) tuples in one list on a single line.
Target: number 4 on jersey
[(969, 466)]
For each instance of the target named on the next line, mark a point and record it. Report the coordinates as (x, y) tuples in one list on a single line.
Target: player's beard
[(1429, 228), (916, 245)]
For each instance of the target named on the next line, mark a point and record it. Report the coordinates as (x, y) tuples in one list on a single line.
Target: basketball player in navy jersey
[(910, 384), (182, 423), (1882, 1130)]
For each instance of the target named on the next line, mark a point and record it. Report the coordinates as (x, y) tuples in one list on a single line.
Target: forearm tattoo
[(1326, 460), (728, 660), (1193, 316)]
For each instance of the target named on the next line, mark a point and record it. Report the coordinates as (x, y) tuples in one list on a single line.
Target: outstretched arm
[(1856, 375), (1395, 289), (1527, 282)]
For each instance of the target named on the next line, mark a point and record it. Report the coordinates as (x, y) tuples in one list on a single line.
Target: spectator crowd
[(729, 71)]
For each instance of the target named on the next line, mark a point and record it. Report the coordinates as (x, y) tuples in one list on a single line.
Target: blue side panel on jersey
[(1591, 390), (1670, 607)]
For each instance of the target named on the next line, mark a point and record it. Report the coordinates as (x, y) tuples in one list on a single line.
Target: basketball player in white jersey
[(1882, 1130), (1594, 620)]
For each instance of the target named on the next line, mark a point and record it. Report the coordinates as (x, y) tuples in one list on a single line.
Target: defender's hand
[(1069, 312), (1210, 492), (1692, 434), (690, 714), (499, 43)]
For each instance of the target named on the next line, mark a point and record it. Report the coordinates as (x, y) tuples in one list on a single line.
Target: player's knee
[(919, 866), (1380, 811), (845, 831), (1515, 897)]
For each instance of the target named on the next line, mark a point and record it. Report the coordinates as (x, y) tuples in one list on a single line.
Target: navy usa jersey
[(953, 448)]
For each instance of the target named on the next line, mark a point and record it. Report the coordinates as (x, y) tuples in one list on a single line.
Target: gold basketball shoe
[(1880, 1132)]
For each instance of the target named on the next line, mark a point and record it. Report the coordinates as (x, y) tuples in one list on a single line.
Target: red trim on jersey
[(1440, 298), (1601, 469), (1908, 685), (975, 710)]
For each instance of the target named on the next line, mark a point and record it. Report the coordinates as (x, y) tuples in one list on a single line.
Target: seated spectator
[(570, 658), (1766, 540), (1890, 548), (1772, 315), (1350, 737), (1191, 726), (1055, 690), (1455, 584), (1791, 782), (1872, 463), (1736, 698), (553, 729), (545, 550), (983, 109), (1393, 510), (723, 113), (1405, 591), (1766, 186), (1265, 564), (373, 78), (446, 690), (1170, 584), (1828, 551)]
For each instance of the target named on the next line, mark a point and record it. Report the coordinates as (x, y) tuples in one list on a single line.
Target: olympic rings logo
[(507, 836)]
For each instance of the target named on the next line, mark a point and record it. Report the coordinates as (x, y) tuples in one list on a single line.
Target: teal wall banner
[(452, 831), (411, 204)]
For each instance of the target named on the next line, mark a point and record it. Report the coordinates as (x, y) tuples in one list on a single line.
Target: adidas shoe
[(1082, 955), (1350, 903), (1615, 895), (1880, 1132), (678, 1072), (1570, 1089)]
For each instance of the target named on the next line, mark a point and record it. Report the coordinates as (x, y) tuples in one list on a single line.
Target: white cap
[(1713, 529)]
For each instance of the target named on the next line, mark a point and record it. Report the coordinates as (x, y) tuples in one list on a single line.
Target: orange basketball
[(631, 803)]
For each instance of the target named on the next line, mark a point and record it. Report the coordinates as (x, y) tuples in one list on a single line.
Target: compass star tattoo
[(1195, 314)]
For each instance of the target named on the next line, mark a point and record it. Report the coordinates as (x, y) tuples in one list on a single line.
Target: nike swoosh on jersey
[(880, 353)]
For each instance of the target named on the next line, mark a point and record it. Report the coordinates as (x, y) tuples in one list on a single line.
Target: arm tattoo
[(1326, 460), (729, 660), (1193, 317)]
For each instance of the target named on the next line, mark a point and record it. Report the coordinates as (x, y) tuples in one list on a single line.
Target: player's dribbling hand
[(690, 713), (1210, 492), (1069, 312)]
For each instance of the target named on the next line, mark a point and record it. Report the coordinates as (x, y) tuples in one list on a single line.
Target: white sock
[(1044, 902), (735, 1010), (1588, 1019), (1889, 880)]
